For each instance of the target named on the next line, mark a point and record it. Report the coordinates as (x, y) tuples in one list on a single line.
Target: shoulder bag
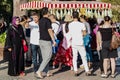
[(115, 42)]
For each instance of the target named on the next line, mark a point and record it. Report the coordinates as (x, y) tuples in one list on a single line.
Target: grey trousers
[(46, 51)]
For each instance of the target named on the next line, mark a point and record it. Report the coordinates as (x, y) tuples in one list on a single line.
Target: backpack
[(59, 33)]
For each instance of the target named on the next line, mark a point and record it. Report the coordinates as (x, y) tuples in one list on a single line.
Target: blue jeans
[(36, 53), (89, 53)]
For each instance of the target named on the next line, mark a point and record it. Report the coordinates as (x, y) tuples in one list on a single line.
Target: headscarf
[(14, 21)]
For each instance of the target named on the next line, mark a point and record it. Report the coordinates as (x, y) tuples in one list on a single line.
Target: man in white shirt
[(34, 39), (55, 23), (87, 25), (55, 27), (77, 30)]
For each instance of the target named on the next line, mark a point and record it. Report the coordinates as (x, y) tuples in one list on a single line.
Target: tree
[(6, 9), (115, 9), (16, 7), (114, 2)]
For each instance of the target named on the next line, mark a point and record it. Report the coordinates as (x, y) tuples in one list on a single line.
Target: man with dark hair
[(46, 35), (44, 11), (55, 24), (77, 30), (75, 14)]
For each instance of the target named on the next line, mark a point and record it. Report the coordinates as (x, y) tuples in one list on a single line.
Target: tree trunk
[(1, 52), (16, 7)]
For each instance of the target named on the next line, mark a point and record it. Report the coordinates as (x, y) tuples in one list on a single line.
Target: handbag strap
[(16, 30), (112, 30)]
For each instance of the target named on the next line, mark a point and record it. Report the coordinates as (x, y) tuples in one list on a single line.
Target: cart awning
[(64, 4)]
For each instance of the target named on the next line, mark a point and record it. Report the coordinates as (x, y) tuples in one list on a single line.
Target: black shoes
[(112, 75), (76, 74), (28, 63)]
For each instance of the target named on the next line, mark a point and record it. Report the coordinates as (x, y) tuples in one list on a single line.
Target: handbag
[(55, 48), (25, 47), (115, 42)]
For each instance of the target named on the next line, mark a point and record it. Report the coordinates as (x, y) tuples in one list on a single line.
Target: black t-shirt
[(27, 32), (44, 25), (106, 33)]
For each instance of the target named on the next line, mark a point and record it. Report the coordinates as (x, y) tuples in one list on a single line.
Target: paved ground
[(65, 74)]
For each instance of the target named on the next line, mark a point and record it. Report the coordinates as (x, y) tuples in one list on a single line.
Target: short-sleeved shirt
[(44, 25), (34, 35), (75, 30), (55, 27), (87, 25)]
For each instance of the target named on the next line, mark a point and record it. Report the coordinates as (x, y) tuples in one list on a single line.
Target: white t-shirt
[(75, 30), (87, 25), (55, 26), (34, 35)]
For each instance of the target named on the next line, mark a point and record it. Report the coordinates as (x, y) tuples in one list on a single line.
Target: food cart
[(61, 8)]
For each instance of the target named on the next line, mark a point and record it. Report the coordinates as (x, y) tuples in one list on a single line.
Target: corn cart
[(61, 8)]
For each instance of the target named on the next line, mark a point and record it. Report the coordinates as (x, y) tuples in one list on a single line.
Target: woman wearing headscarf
[(15, 36)]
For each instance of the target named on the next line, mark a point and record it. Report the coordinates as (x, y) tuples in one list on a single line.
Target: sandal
[(112, 75), (104, 75), (76, 73), (88, 73), (39, 75), (49, 74), (59, 68), (22, 74)]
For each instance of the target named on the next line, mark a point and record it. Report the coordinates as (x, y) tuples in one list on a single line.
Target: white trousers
[(82, 52)]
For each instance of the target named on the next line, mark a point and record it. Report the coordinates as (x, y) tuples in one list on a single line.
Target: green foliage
[(2, 38), (115, 2), (6, 9), (116, 15), (115, 9)]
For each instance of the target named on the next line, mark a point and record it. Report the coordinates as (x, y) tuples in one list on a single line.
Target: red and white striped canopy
[(64, 4)]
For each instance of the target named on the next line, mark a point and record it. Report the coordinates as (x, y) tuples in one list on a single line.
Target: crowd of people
[(47, 38)]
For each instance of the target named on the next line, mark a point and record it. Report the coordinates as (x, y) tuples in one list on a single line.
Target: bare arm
[(99, 41), (51, 33), (84, 32)]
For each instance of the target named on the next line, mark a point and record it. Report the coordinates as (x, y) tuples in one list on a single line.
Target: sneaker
[(53, 67), (104, 75), (82, 66), (112, 75)]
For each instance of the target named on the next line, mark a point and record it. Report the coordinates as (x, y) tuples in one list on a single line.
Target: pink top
[(67, 38), (96, 29)]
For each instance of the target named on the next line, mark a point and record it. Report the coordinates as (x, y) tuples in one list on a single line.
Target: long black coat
[(16, 56)]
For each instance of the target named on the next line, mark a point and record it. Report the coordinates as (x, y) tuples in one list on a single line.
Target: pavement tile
[(65, 74)]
